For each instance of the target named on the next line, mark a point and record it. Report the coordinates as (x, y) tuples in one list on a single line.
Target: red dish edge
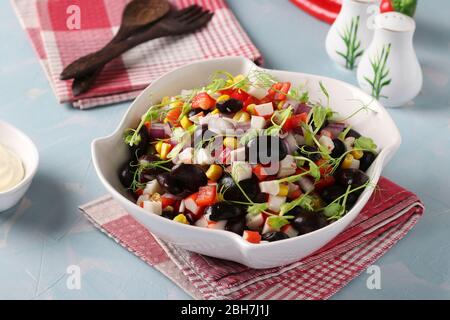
[(325, 10)]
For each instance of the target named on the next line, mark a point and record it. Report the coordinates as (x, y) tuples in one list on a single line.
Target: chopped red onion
[(242, 126), (291, 143), (159, 131), (306, 184), (302, 108), (335, 128)]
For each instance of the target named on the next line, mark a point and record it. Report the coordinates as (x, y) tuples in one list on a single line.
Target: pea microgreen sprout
[(141, 167), (277, 222), (183, 138), (249, 135), (304, 201), (281, 116), (256, 208), (155, 112), (313, 171), (336, 210), (298, 94), (253, 208), (325, 92), (365, 143), (344, 133), (187, 106), (220, 83), (364, 107), (261, 79)]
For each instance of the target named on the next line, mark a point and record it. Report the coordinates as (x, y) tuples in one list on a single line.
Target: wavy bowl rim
[(389, 150)]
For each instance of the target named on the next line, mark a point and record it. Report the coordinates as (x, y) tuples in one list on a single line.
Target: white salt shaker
[(389, 69), (351, 32)]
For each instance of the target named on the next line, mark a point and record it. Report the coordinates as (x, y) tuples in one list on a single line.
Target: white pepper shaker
[(389, 69)]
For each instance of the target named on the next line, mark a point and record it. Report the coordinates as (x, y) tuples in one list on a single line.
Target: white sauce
[(11, 169)]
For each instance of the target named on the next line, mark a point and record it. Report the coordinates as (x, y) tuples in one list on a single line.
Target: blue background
[(46, 233)]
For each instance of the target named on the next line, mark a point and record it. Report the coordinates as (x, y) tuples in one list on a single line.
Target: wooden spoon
[(180, 22), (137, 15)]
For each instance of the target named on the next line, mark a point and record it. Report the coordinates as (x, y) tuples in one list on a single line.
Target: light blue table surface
[(45, 234)]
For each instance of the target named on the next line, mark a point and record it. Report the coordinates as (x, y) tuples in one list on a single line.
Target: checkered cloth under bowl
[(388, 216)]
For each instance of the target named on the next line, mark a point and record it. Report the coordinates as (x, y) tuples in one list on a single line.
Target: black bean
[(274, 236)]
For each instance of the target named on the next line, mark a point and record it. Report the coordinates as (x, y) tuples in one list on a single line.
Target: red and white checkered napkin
[(388, 216), (46, 24)]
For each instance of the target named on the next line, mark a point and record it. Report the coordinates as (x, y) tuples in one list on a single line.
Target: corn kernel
[(165, 149), (317, 202), (238, 78), (158, 146), (214, 172), (223, 98), (230, 142), (280, 105), (241, 116), (215, 111), (284, 190), (165, 100), (155, 197), (357, 154), (177, 104), (251, 108), (347, 162), (185, 122), (181, 218)]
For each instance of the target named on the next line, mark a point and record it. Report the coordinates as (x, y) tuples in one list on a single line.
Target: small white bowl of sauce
[(19, 161)]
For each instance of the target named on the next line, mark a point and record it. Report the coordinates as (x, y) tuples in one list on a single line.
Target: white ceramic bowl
[(20, 144), (110, 153)]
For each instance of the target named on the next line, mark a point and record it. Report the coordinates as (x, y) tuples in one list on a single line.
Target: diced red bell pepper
[(148, 124), (203, 101), (250, 100), (173, 115), (273, 91), (191, 205), (300, 170), (295, 121), (176, 206), (167, 201), (283, 91), (294, 191), (228, 92), (266, 99), (207, 195), (252, 236), (326, 181), (278, 91), (295, 194), (239, 94), (324, 168), (139, 192), (260, 172)]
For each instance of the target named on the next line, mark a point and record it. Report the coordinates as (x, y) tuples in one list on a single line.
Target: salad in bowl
[(247, 154), (248, 159)]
